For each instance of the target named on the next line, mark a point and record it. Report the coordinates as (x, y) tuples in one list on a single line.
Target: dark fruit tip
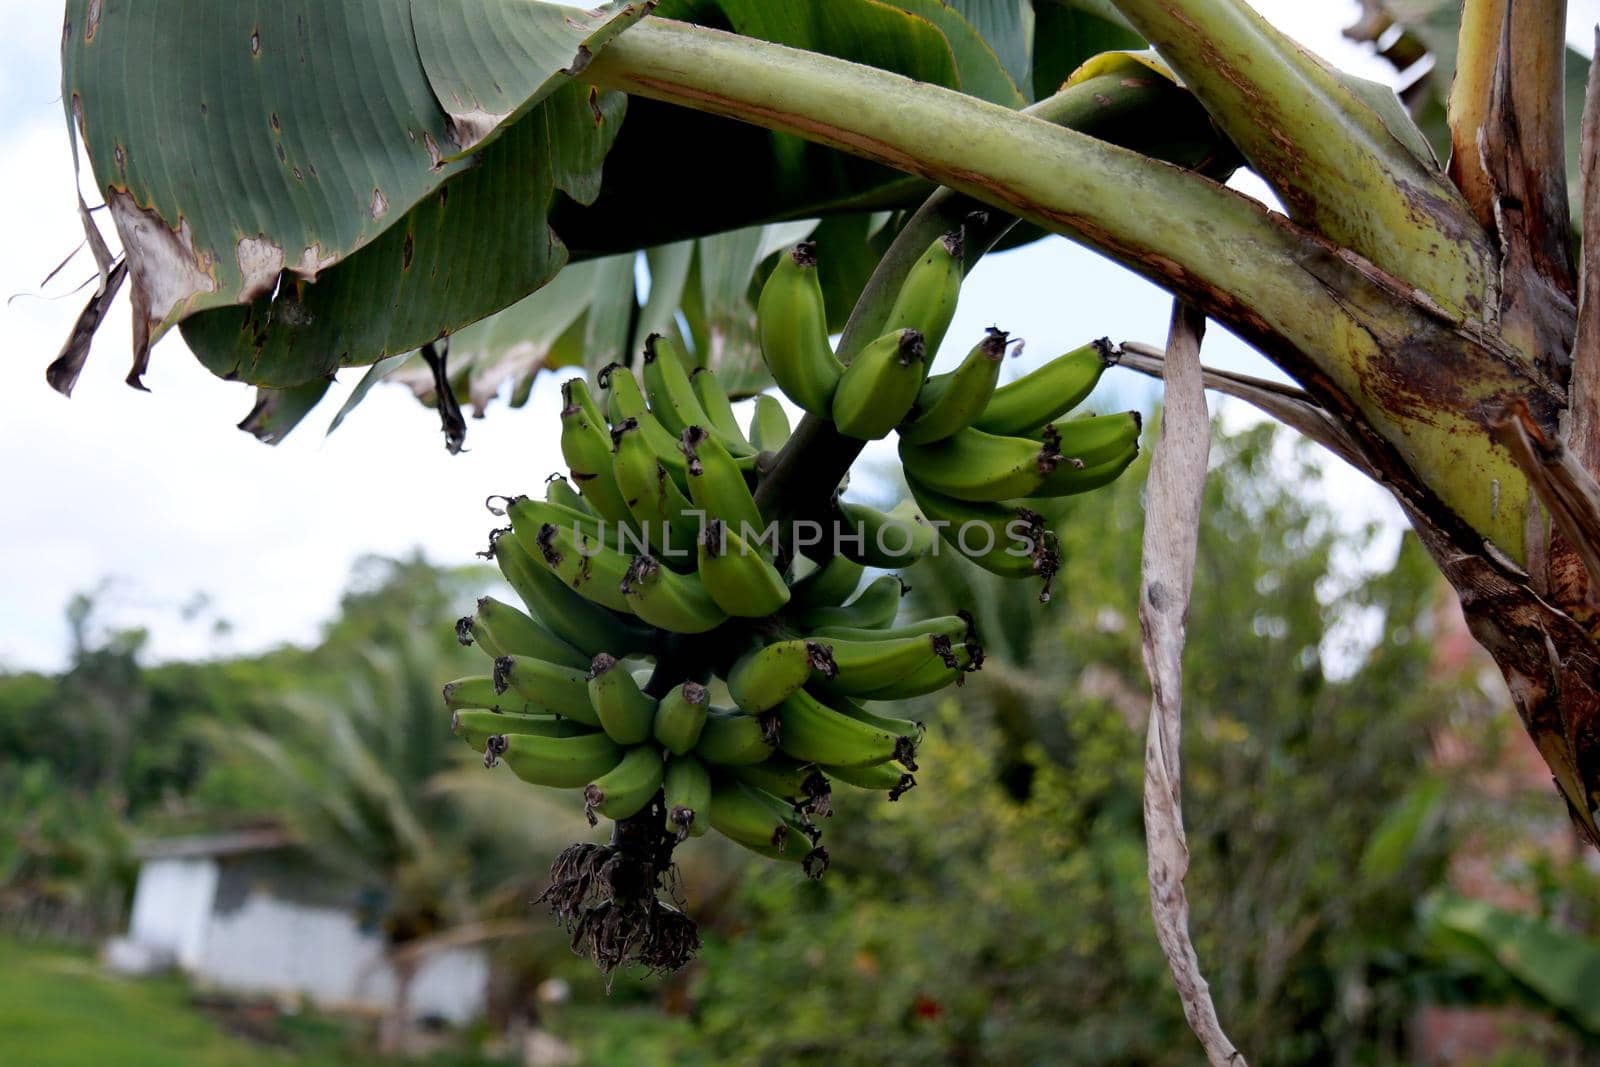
[(547, 547), (1110, 354), (464, 630), (626, 426), (1138, 421), (494, 539), (488, 503), (902, 787), (650, 352), (502, 673), (605, 373), (1050, 450), (714, 537), (804, 254), (954, 243), (695, 693), (912, 346), (815, 863), (994, 344), (601, 663), (820, 657)]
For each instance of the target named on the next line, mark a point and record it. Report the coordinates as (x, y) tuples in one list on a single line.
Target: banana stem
[(816, 457), (1373, 349), (1101, 106)]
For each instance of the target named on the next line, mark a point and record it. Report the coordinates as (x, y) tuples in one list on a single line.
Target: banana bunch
[(671, 649), (974, 452), (688, 663)]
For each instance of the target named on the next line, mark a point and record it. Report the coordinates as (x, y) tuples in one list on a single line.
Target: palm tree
[(359, 769)]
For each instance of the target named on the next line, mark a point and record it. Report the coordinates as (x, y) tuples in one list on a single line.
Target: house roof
[(225, 843)]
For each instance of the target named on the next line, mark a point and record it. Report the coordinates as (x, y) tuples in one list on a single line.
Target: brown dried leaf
[(1289, 405), (1171, 532), (1584, 433)]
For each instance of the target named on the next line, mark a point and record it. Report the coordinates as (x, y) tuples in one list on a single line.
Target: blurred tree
[(350, 761), (1000, 914)]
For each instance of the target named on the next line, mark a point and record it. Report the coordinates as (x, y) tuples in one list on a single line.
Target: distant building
[(245, 912)]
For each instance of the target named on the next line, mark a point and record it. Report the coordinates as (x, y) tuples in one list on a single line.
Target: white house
[(244, 912)]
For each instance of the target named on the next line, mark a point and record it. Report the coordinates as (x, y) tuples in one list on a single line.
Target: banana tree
[(302, 187)]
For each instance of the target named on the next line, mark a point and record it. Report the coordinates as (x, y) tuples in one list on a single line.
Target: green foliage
[(999, 912), (1533, 959)]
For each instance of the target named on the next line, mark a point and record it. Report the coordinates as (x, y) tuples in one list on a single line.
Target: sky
[(158, 500)]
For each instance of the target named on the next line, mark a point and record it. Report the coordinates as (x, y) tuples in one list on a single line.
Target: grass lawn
[(60, 1008)]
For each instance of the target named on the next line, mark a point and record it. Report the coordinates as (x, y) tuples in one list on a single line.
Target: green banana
[(592, 568), (557, 490), (720, 420), (880, 385), (1069, 480), (950, 402), (907, 730), (668, 600), (1002, 538), (624, 710), (927, 299), (479, 691), (547, 686), (957, 627), (670, 521), (737, 576), (932, 676), (687, 792), (500, 629), (1019, 408), (1092, 440), (626, 788), (717, 485), (666, 384), (627, 401), (874, 608), (528, 515), (581, 623), (883, 776), (792, 321), (885, 539), (680, 716), (867, 666), (762, 823), (558, 762), (801, 784), (973, 465), (828, 585), (581, 395), (814, 732), (764, 677), (586, 446), (734, 738), (769, 425), (475, 726)]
